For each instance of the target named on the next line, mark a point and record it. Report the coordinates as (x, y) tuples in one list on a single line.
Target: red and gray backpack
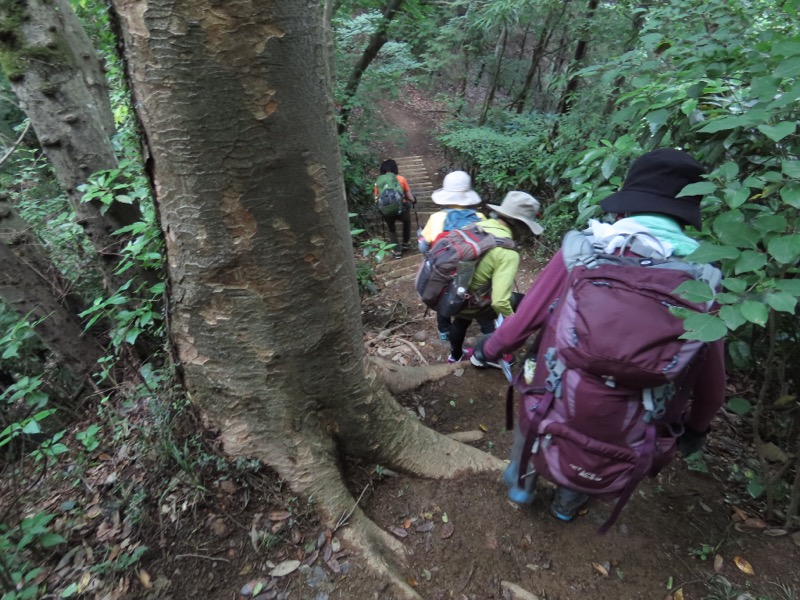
[(444, 276), (599, 413)]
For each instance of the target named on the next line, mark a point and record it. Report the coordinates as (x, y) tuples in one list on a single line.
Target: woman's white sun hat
[(456, 190)]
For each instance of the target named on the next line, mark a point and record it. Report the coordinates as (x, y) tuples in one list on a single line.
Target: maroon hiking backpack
[(444, 276), (598, 415)]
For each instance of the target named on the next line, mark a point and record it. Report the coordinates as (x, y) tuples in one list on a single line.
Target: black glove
[(691, 441)]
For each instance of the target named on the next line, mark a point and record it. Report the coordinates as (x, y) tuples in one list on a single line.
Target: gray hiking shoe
[(567, 503)]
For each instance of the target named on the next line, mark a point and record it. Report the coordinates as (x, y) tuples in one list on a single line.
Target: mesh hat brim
[(535, 228)]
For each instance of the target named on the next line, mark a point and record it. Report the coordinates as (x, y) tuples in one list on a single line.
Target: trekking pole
[(416, 216)]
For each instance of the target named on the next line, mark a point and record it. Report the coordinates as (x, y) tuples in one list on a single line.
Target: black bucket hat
[(653, 181)]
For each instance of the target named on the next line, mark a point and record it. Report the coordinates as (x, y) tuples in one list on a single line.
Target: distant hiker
[(457, 196), (492, 285), (605, 392), (394, 200)]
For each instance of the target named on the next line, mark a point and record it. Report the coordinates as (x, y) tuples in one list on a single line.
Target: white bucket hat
[(456, 191), (522, 207)]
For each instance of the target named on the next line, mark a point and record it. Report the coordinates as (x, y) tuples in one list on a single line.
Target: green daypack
[(390, 195)]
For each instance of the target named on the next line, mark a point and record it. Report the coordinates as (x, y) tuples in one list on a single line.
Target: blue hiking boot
[(522, 496), (566, 504), (519, 495), (510, 475)]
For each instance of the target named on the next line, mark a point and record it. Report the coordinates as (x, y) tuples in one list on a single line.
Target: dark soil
[(216, 538)]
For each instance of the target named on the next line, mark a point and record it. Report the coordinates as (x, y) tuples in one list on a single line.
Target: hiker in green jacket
[(492, 287)]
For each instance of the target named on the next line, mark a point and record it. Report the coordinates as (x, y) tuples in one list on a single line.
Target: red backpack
[(444, 276), (599, 414)]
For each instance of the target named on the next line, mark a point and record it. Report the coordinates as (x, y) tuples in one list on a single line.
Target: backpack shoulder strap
[(579, 248)]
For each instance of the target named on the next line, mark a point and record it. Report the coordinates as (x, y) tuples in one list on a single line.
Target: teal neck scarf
[(667, 229)]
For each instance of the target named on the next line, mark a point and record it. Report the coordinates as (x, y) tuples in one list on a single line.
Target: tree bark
[(238, 116), (33, 288), (545, 34), (581, 49), (376, 42), (499, 50), (55, 73)]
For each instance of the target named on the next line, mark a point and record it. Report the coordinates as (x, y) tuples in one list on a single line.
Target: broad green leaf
[(735, 198), (656, 119), (728, 170), (788, 69), (782, 302), (754, 116), (786, 99), (791, 168), (750, 260), (770, 223), (785, 249), (732, 315), (624, 142), (727, 298), (725, 123), (779, 131), (786, 48), (739, 405), (48, 540), (764, 88), (695, 291), (790, 286), (755, 488), (704, 327), (790, 193), (753, 182), (736, 233), (31, 428), (696, 89), (706, 253), (739, 351), (755, 312), (590, 155), (737, 286), (609, 165), (701, 188), (689, 106)]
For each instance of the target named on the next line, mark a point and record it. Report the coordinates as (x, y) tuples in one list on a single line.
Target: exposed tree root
[(402, 379)]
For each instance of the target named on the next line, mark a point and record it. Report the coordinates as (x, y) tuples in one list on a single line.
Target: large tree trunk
[(238, 117), (58, 79), (376, 42), (33, 288)]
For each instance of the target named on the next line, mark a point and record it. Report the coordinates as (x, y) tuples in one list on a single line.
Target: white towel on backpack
[(615, 235)]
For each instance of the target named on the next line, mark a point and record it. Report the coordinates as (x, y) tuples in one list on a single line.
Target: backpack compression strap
[(643, 462)]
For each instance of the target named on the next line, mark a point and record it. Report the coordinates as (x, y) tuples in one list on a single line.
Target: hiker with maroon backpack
[(609, 391), (491, 286)]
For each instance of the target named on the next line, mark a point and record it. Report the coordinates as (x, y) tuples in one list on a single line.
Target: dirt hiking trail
[(679, 537)]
